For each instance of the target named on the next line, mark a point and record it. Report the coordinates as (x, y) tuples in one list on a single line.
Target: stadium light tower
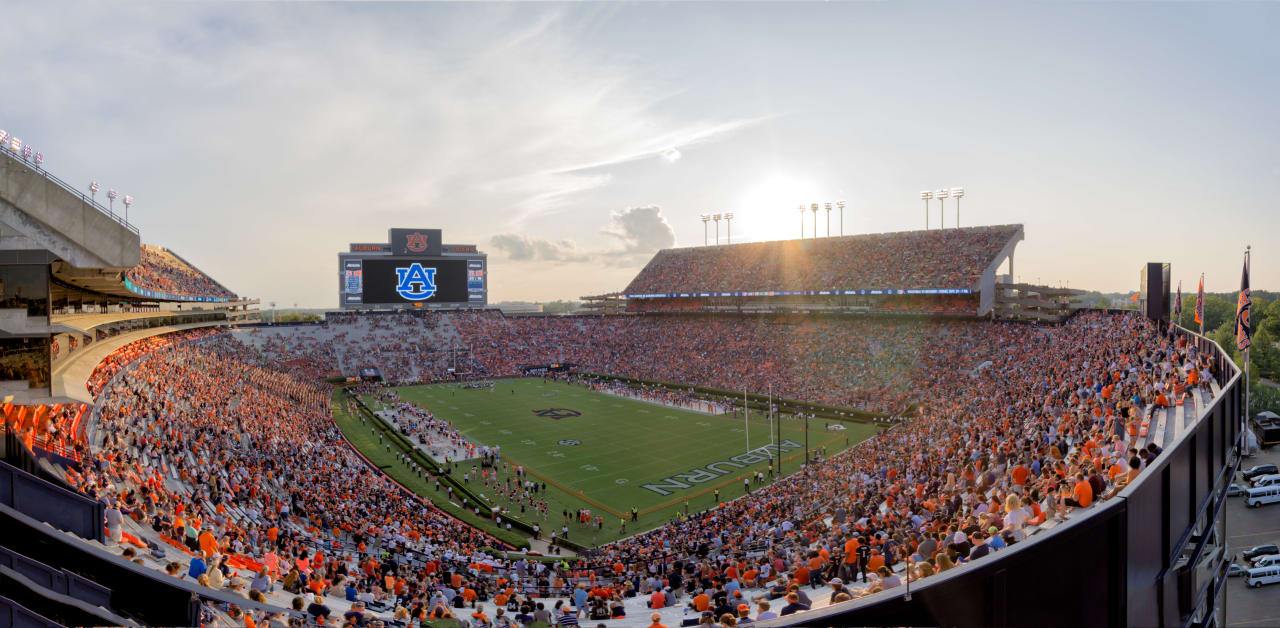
[(814, 209), (802, 222), (957, 193), (717, 217), (827, 205), (705, 219), (728, 227), (128, 200), (111, 196), (925, 196), (840, 204), (93, 191), (942, 202)]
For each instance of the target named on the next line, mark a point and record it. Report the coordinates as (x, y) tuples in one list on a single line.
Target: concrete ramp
[(40, 212)]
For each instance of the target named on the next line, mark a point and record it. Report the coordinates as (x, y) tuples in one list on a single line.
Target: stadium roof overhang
[(90, 284)]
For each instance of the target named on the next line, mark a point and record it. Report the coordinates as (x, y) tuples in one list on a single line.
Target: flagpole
[(1199, 305), (1179, 303), (1249, 347)]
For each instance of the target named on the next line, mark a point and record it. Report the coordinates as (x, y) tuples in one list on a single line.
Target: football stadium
[(742, 427), (856, 426)]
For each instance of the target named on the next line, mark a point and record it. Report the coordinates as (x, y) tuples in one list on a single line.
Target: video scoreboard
[(413, 269)]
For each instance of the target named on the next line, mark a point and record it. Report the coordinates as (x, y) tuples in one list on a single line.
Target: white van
[(1266, 480), (1259, 576), (1255, 497), (1271, 560)]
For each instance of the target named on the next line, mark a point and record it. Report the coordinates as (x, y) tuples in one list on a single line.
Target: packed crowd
[(943, 258), (231, 463), (957, 305), (239, 464), (406, 348), (162, 271), (859, 363)]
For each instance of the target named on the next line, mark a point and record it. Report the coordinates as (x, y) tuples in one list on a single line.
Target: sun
[(768, 209)]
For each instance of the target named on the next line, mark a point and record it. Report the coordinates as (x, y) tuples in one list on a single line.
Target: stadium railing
[(1151, 556), (88, 200)]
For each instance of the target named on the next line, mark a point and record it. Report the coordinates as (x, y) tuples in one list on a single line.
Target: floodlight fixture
[(941, 195), (814, 208), (925, 196), (802, 210), (728, 227), (705, 219), (128, 200), (840, 204), (957, 193), (827, 206), (717, 217)]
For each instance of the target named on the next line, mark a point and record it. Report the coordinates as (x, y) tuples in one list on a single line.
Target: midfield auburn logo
[(416, 242), (416, 283), (557, 413)]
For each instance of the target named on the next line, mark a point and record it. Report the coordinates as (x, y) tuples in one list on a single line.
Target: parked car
[(1258, 470), (1271, 479), (1262, 495), (1259, 576), (1267, 560), (1256, 551), (1235, 490), (1234, 570)]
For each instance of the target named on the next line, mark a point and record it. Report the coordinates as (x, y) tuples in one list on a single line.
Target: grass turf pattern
[(623, 445)]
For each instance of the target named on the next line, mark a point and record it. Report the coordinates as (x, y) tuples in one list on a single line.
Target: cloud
[(523, 248), (639, 231), (475, 121)]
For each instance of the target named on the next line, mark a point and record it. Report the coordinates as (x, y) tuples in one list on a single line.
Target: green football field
[(610, 454)]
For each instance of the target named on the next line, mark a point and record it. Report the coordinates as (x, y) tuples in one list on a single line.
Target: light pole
[(925, 196), (957, 193), (717, 217), (111, 196), (93, 192), (942, 203), (814, 209), (840, 204), (827, 205), (705, 219), (802, 222), (728, 227), (128, 200)]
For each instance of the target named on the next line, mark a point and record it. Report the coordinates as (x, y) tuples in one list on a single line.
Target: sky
[(572, 141)]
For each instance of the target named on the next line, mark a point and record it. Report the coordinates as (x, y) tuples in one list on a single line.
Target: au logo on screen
[(416, 283), (416, 242)]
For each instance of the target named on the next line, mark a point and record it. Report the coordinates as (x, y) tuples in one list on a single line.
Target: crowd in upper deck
[(162, 271), (940, 258)]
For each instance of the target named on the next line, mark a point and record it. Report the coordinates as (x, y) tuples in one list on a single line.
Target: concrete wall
[(987, 283), (40, 213)]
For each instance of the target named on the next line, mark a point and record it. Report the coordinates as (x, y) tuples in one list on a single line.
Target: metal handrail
[(66, 186)]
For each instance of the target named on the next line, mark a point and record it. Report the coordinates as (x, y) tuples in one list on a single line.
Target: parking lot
[(1246, 528)]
